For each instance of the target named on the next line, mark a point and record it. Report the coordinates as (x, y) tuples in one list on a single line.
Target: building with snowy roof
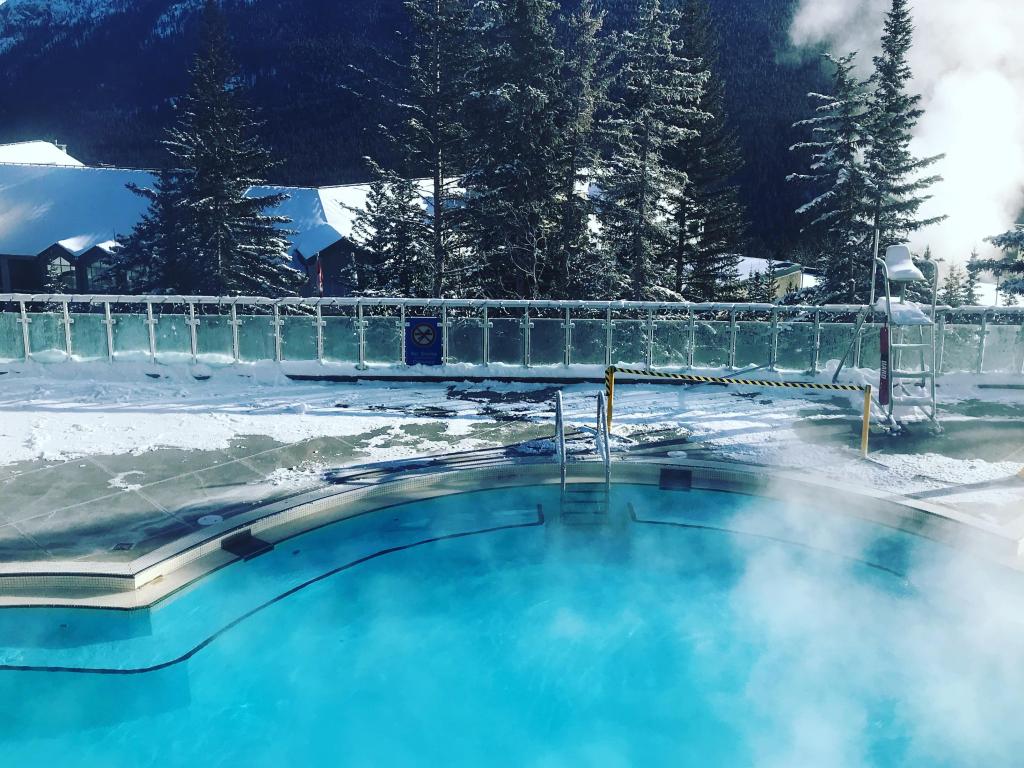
[(60, 220), (789, 276)]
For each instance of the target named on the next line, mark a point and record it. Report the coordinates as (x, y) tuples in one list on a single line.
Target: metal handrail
[(601, 439), (560, 454)]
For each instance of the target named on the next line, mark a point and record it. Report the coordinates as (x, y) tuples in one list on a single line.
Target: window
[(60, 275)]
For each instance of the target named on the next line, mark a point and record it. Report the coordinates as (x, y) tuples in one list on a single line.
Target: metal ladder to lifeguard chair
[(898, 269)]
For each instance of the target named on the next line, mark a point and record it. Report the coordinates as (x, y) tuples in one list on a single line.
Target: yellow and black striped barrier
[(609, 384)]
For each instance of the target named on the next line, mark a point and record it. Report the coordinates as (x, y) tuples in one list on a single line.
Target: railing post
[(319, 321), (773, 357), (649, 355), (278, 322), (527, 325), (942, 344), (566, 339), (981, 347), (360, 338), (151, 327), (444, 334), (401, 334), (192, 334), (236, 353), (25, 320), (692, 340), (67, 328), (608, 337), (732, 339), (486, 334), (816, 343), (109, 322)]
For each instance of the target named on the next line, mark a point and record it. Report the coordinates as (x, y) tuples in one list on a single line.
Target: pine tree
[(710, 221), (1012, 265), (971, 297), (898, 182), (762, 286), (583, 87), (390, 230), (954, 287), (654, 108), (212, 235), (512, 182), (156, 252), (434, 135), (840, 211)]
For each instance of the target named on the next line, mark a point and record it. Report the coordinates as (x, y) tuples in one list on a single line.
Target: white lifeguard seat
[(900, 267)]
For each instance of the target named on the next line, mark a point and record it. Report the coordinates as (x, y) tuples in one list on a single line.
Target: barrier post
[(865, 430), (609, 386)]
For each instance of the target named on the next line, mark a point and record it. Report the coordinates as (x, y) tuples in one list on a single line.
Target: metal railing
[(560, 454), (601, 440), (369, 333)]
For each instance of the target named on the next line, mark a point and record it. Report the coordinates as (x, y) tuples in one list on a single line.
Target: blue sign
[(423, 341)]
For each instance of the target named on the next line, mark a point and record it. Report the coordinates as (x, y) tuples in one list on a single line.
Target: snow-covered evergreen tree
[(210, 236), (762, 286), (840, 213), (512, 179), (971, 297), (710, 220), (433, 138), (899, 180), (391, 230), (575, 271), (654, 108), (954, 291), (1011, 267)]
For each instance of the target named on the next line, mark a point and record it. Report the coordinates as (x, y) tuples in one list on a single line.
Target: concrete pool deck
[(115, 507)]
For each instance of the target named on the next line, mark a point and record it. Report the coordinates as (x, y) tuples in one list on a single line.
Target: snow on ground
[(68, 411)]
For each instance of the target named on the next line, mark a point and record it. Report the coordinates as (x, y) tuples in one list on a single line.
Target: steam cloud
[(968, 66)]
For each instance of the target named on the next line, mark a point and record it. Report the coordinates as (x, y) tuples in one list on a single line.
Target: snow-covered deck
[(106, 470)]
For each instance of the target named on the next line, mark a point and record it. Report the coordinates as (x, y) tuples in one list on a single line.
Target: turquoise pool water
[(700, 628)]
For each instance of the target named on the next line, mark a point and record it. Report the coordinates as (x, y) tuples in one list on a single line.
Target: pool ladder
[(584, 503)]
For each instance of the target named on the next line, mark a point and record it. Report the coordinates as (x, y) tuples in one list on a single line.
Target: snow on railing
[(370, 332)]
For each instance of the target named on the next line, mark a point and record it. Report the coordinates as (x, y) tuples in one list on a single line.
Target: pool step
[(585, 504)]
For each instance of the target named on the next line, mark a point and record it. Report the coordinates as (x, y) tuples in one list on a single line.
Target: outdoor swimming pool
[(697, 628)]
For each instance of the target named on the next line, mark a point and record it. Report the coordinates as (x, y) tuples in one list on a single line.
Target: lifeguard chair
[(909, 332)]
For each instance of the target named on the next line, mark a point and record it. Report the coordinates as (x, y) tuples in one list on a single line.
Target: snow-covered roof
[(82, 207), (747, 267), (36, 153), (73, 206)]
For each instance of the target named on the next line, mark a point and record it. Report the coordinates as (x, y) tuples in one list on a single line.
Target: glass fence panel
[(1004, 349), (173, 341), (341, 344), (871, 346), (255, 338), (835, 340), (383, 339), (547, 342), (588, 341), (711, 344), (213, 339), (466, 340), (46, 336), (12, 346), (671, 339), (629, 342), (960, 347), (89, 335), (753, 343), (506, 341), (796, 347), (298, 337), (131, 337)]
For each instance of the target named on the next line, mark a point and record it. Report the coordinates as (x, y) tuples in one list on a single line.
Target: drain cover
[(210, 520)]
